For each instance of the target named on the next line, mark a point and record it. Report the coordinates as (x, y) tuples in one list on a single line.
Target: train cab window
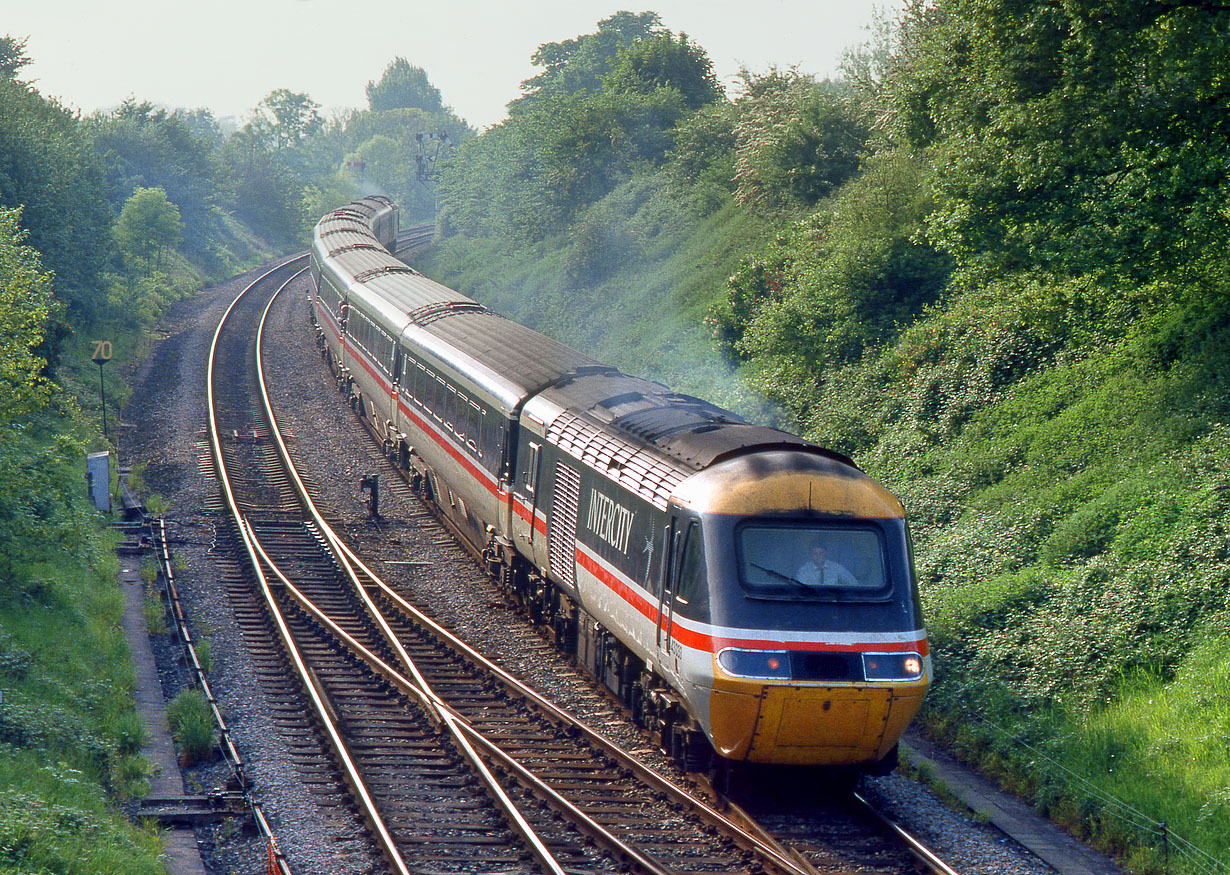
[(691, 590), (808, 563)]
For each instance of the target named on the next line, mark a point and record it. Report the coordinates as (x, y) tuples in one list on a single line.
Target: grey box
[(98, 478)]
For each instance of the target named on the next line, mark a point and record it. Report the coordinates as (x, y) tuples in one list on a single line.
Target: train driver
[(819, 570)]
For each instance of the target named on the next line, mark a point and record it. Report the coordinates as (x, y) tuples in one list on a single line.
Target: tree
[(701, 166), (578, 66), (798, 139), (588, 123), (268, 195), (285, 118), (404, 86), (12, 56), (48, 167), (531, 174), (25, 305), (146, 146), (148, 224), (661, 62)]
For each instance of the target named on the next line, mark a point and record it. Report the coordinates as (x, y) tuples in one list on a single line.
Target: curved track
[(451, 763)]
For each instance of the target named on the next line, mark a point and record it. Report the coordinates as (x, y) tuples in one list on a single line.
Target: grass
[(192, 726), (53, 818), (155, 505), (155, 612), (1071, 541), (204, 655), (1165, 745), (68, 734)]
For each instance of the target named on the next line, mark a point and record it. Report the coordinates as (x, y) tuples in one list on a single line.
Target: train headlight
[(771, 664), (892, 666)]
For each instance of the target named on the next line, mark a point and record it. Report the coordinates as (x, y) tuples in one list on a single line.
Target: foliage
[(700, 168), (531, 174), (579, 66), (1076, 136), (605, 109), (398, 151), (842, 281), (155, 611), (661, 62), (148, 147), (25, 304), (148, 224), (68, 734), (268, 194), (326, 194), (12, 56), (284, 118), (64, 829), (51, 171), (798, 139), (404, 86), (192, 725), (204, 655)]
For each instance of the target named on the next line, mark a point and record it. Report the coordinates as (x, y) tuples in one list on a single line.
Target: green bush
[(192, 726), (129, 731)]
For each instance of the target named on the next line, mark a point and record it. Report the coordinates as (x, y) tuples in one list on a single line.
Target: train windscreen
[(811, 562)]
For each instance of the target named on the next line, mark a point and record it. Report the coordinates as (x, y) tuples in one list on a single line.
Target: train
[(747, 594)]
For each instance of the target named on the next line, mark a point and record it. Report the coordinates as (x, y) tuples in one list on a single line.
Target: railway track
[(450, 764)]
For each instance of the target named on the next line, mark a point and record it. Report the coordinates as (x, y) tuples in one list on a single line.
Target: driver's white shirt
[(832, 574)]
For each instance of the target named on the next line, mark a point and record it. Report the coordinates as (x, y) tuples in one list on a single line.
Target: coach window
[(452, 413), (388, 354), (420, 382), (441, 399), (474, 430), (429, 390)]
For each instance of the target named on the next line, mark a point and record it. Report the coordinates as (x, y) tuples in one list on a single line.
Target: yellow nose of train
[(808, 724)]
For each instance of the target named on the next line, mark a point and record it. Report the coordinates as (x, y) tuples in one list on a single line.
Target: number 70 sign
[(102, 351), (102, 355)]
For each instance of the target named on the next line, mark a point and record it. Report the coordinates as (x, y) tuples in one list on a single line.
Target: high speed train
[(745, 592)]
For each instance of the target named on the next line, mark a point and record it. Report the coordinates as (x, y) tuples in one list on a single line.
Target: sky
[(227, 55)]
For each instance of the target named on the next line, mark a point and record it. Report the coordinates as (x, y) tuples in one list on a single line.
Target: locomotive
[(746, 593)]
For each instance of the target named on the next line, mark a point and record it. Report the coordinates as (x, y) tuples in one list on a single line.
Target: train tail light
[(772, 664), (893, 666)]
